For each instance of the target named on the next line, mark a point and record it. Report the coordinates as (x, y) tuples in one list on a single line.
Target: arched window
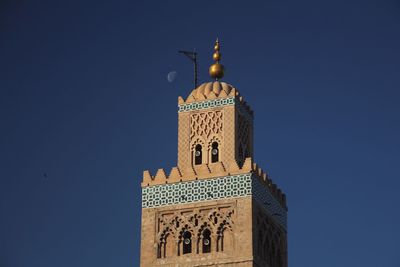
[(206, 241), (214, 152), (198, 155), (224, 241), (187, 242)]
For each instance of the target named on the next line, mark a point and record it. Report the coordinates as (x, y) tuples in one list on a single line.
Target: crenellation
[(248, 164), (147, 178), (161, 175), (175, 175), (218, 169), (181, 100)]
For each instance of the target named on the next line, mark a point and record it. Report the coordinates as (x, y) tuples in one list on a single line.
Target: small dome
[(210, 90)]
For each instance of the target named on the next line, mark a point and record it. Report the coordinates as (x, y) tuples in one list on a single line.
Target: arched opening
[(214, 152), (198, 155), (206, 241), (226, 240), (187, 242)]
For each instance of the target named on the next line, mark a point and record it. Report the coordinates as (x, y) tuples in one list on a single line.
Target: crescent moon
[(171, 76)]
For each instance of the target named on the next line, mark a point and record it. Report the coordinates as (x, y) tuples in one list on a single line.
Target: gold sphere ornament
[(216, 70), (216, 56)]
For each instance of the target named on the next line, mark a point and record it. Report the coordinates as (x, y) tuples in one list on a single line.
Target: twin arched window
[(198, 153), (202, 244), (187, 242)]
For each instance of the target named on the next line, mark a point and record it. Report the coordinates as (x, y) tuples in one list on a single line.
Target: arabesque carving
[(172, 225), (271, 247), (206, 123)]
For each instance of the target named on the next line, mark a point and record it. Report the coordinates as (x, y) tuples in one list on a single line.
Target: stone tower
[(217, 207)]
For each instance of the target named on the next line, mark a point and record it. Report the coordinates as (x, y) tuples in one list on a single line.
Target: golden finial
[(216, 70)]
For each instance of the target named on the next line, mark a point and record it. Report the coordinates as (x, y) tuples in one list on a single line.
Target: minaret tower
[(217, 207)]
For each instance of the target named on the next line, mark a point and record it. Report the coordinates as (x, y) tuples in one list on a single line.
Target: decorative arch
[(197, 149), (214, 148), (165, 246), (225, 239), (185, 240), (205, 230), (201, 238), (195, 220), (224, 236)]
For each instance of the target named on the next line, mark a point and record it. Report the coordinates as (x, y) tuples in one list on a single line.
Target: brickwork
[(229, 134), (216, 207), (184, 160), (230, 218)]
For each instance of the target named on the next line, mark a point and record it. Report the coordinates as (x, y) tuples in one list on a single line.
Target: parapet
[(219, 169)]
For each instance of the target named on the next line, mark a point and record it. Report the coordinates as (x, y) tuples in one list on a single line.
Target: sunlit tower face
[(216, 207)]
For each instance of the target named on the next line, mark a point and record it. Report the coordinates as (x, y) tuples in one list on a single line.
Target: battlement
[(206, 171)]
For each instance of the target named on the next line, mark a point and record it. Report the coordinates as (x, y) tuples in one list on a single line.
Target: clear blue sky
[(85, 101)]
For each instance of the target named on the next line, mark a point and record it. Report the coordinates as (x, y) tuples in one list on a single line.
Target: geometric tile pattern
[(272, 206), (198, 190), (213, 189), (205, 123), (199, 105), (206, 104)]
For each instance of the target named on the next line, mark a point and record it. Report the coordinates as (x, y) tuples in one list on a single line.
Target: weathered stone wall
[(232, 215)]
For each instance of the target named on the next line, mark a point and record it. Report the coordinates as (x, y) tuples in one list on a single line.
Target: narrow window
[(206, 241), (214, 152), (187, 242), (198, 155)]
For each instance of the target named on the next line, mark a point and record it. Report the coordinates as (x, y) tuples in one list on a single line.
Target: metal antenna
[(193, 57)]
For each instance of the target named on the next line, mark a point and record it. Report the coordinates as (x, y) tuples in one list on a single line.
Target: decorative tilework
[(206, 104), (198, 190), (215, 103), (265, 198), (212, 189)]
